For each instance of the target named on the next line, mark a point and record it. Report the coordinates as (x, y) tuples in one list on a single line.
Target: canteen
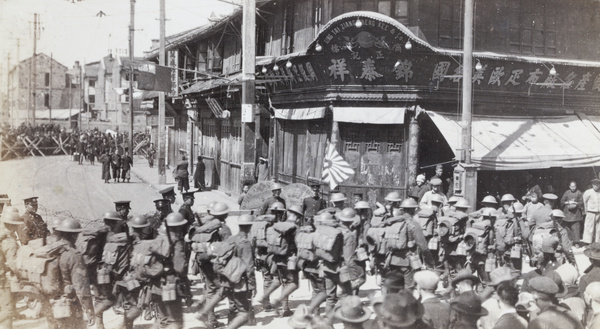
[(490, 263), (292, 263), (361, 254), (515, 252), (169, 292), (461, 249), (61, 308), (103, 275), (433, 243), (415, 262)]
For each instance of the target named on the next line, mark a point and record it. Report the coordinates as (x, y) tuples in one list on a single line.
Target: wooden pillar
[(273, 157), (250, 114), (190, 143), (414, 133)]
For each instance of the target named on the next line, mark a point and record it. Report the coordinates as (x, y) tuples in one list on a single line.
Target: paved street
[(63, 185)]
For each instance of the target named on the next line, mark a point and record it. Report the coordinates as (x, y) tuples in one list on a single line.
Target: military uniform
[(188, 214), (312, 205), (8, 256), (35, 227)]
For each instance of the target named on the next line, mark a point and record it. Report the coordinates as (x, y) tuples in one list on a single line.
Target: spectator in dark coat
[(182, 175), (105, 160), (199, 174), (115, 164), (437, 313), (508, 295), (572, 205), (126, 165)]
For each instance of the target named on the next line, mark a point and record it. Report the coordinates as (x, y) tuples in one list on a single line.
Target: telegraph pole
[(249, 117), (162, 177), (470, 170), (131, 33), (50, 90)]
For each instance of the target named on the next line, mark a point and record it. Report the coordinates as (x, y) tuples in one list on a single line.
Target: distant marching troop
[(439, 265)]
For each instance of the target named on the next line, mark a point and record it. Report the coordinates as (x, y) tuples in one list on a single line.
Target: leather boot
[(238, 321), (316, 302)]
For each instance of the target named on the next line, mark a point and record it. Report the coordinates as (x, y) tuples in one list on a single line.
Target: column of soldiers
[(440, 265)]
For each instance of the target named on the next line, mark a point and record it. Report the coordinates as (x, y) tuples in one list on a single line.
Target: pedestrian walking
[(181, 174), (115, 164), (126, 165), (591, 204), (150, 155), (105, 160), (199, 182)]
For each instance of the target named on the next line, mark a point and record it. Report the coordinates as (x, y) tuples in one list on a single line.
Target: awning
[(371, 115), (57, 114), (525, 142), (309, 113)]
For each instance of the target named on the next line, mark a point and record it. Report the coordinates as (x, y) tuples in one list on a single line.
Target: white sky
[(72, 31)]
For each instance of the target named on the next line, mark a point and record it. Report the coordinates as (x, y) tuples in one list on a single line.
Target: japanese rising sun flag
[(335, 168)]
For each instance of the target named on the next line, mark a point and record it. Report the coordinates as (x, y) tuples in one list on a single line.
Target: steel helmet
[(453, 199), (210, 206), (296, 209), (277, 206), (69, 225), (324, 217), (245, 220), (55, 222), (139, 221), (276, 186), (489, 199), (175, 219), (162, 229), (393, 197), (409, 203), (462, 203), (507, 197), (557, 213), (12, 217), (335, 197), (518, 207), (347, 215), (437, 198), (362, 205), (219, 208), (112, 215)]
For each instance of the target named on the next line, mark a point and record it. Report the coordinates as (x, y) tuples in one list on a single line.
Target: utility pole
[(34, 65), (162, 177), (470, 170), (80, 95), (50, 90), (249, 115), (131, 32), (7, 103)]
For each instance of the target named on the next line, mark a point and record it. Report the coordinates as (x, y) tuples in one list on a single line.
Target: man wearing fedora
[(466, 311), (465, 281), (398, 311), (551, 316), (437, 313), (352, 313), (592, 273), (591, 205), (491, 297)]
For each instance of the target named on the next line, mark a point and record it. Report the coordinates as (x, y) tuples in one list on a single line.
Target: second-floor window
[(533, 28), (397, 9), (47, 79)]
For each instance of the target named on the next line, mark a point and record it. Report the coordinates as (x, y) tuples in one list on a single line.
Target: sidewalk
[(149, 176)]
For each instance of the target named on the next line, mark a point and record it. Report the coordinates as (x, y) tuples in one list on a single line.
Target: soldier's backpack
[(258, 231), (143, 263), (397, 236), (479, 233), (90, 243), (541, 233), (329, 243), (40, 266), (375, 241), (425, 218), (280, 238), (305, 244), (500, 232), (116, 253), (203, 237)]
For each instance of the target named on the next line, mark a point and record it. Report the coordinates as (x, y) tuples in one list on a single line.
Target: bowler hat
[(465, 274), (468, 303), (543, 285), (593, 251), (399, 310), (352, 310), (301, 317)]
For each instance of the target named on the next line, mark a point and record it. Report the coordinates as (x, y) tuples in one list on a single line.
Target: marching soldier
[(163, 208), (186, 208), (123, 208), (35, 227), (169, 194), (338, 201), (74, 282), (312, 205), (8, 256), (276, 197)]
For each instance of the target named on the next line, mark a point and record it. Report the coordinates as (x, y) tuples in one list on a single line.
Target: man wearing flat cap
[(551, 316), (436, 189), (437, 313), (398, 311), (35, 227), (591, 206)]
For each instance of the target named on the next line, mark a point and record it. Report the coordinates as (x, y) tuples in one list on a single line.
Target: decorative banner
[(153, 77), (335, 168), (293, 194), (173, 62), (247, 113)]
